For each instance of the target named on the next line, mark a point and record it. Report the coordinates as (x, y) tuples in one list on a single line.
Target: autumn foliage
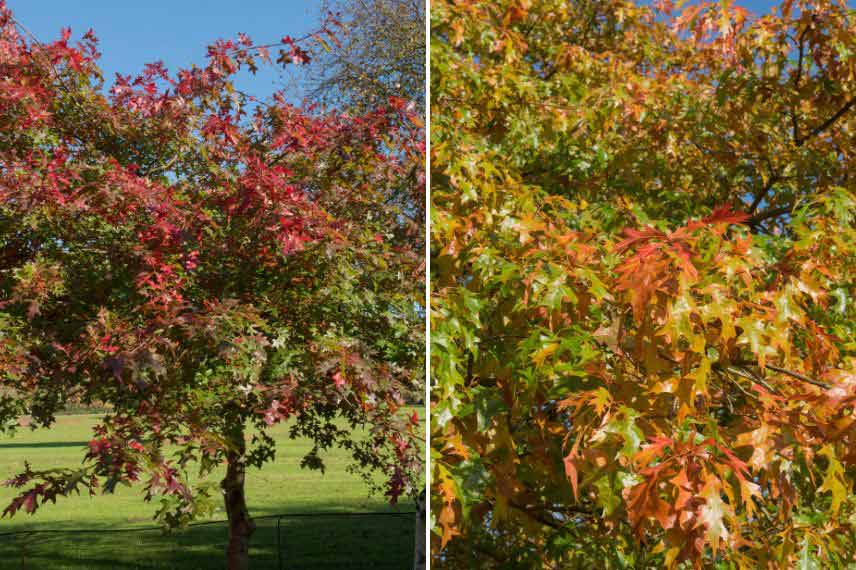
[(206, 265), (642, 270)]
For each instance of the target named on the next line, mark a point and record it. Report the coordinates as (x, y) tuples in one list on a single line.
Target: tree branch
[(767, 214), (739, 387), (757, 379), (799, 376), (538, 516), (790, 373), (763, 193), (828, 123)]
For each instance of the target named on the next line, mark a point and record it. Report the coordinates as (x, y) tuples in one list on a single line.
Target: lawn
[(282, 487)]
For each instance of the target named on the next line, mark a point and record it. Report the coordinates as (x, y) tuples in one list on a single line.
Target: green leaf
[(807, 560), (607, 498), (624, 424)]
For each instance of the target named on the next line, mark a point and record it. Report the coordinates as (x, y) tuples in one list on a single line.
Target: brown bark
[(241, 526)]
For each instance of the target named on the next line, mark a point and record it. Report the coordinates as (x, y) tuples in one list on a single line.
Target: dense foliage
[(206, 265), (642, 273)]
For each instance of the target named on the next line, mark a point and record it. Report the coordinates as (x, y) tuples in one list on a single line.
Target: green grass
[(280, 487)]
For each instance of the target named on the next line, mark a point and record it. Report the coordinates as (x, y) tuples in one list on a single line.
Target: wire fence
[(294, 541)]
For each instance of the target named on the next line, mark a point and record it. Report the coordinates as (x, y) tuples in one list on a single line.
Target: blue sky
[(759, 6), (176, 31), (132, 34)]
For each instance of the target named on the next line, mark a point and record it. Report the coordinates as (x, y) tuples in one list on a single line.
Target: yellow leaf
[(540, 356), (833, 481)]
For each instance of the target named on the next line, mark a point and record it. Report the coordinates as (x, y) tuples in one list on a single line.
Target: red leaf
[(725, 215), (635, 237), (338, 379), (571, 473), (30, 502)]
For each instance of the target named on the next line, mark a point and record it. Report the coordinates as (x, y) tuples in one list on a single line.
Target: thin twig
[(787, 372), (799, 376), (755, 378), (739, 387)]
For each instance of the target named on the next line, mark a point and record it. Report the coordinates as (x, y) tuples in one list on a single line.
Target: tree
[(378, 53), (642, 265), (205, 265)]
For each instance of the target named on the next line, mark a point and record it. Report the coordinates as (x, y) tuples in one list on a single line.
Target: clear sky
[(134, 33)]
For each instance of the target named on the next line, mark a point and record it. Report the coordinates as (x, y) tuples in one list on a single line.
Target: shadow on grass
[(43, 445), (322, 542)]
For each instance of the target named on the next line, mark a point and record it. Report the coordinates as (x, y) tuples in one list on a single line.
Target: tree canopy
[(205, 265), (378, 53), (642, 263)]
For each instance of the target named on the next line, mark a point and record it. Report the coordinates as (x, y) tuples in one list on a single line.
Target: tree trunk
[(241, 526), (419, 554)]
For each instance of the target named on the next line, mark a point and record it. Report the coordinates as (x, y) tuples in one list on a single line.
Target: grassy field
[(281, 487)]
